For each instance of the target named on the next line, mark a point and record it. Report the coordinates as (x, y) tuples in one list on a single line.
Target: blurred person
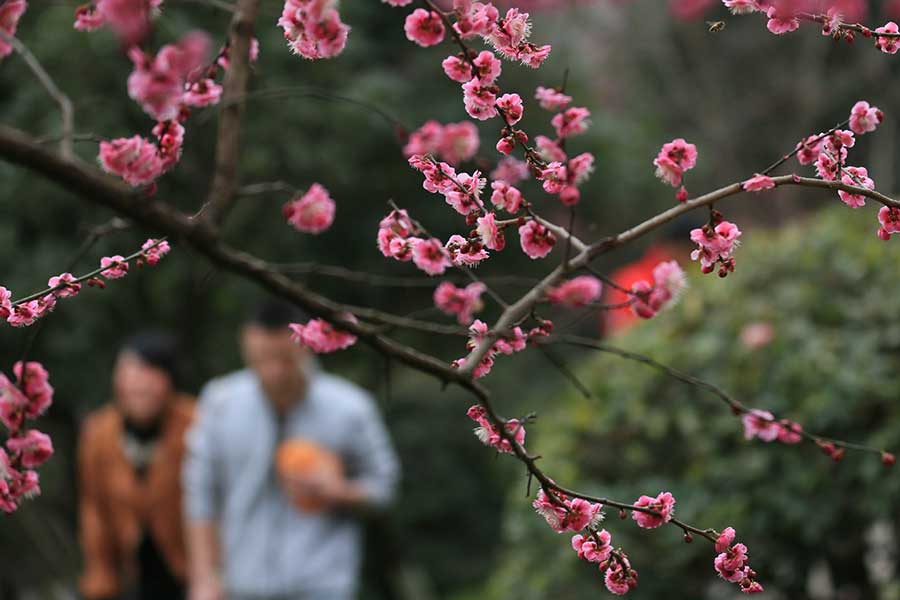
[(129, 463), (283, 461)]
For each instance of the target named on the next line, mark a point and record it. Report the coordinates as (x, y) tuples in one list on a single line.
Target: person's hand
[(321, 487), (207, 587)]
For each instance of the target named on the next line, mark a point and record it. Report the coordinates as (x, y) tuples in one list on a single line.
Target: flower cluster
[(459, 302), (452, 143), (560, 174), (28, 397), (167, 86), (763, 425), (716, 242), (65, 285), (565, 514), (313, 28), (669, 283), (312, 212), (514, 342), (322, 337), (663, 506), (490, 436), (731, 563)]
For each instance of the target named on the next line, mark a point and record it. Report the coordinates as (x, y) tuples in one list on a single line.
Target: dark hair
[(272, 314), (159, 349)]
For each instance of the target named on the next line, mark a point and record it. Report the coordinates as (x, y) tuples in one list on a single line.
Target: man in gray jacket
[(258, 530)]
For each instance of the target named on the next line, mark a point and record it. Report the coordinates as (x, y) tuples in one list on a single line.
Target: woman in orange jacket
[(129, 462)]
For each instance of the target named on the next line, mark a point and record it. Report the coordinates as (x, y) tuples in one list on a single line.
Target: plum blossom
[(572, 121), (576, 292), (313, 28), (11, 12), (158, 82), (465, 252), (480, 99), (669, 283), (758, 183), (619, 580), (781, 19), (564, 514), (457, 68), (491, 235), (888, 44), (152, 250), (204, 92), (509, 171), (88, 17), (588, 547), (424, 27), (33, 448), (889, 217), (859, 177), (453, 142), (674, 159), (460, 302), (393, 231), (763, 425), (664, 504), (715, 245), (551, 99), (66, 284), (114, 267), (313, 212), (741, 7), (430, 256), (864, 118), (490, 435), (488, 67), (322, 337), (506, 197), (134, 159), (536, 240)]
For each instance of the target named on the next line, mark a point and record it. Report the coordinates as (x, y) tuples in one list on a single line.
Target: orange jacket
[(116, 506)]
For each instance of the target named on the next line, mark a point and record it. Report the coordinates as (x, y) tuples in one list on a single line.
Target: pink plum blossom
[(424, 27), (461, 302), (674, 159), (33, 448), (536, 240), (114, 267), (859, 177), (864, 118), (664, 504), (576, 292), (758, 183), (313, 212), (322, 337), (313, 28)]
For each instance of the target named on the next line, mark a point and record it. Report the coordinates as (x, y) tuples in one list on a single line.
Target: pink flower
[(313, 212), (674, 159), (510, 33), (534, 56), (589, 549), (170, 135), (37, 388), (510, 171), (154, 250), (859, 177), (430, 256), (490, 435), (24, 314), (129, 19), (864, 118), (488, 67), (664, 504), (88, 18), (459, 143), (457, 68), (715, 245), (392, 233), (506, 197), (551, 99), (571, 122), (114, 267), (888, 45), (550, 150), (313, 28), (789, 432), (424, 27), (537, 241), (618, 580), (13, 404), (66, 284), (555, 176), (484, 367), (491, 235), (668, 284), (889, 217), (157, 82), (581, 513), (781, 20), (461, 302), (479, 99), (809, 149), (134, 159), (511, 105), (740, 7), (322, 337), (730, 565), (723, 542), (760, 424), (5, 302), (576, 292), (33, 448), (758, 183), (464, 252), (204, 92)]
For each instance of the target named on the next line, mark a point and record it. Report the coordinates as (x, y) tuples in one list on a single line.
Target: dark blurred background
[(810, 270)]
